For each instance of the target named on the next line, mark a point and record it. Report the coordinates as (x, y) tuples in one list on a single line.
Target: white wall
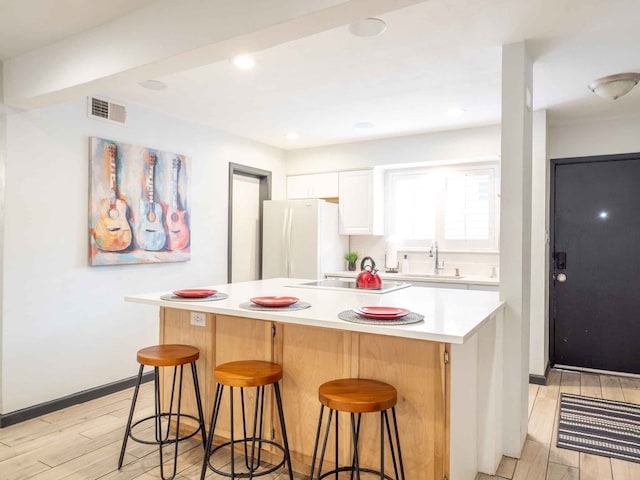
[(65, 325), (604, 137), (478, 142), (539, 311)]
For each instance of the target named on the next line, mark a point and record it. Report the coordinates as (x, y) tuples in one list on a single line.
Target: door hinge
[(273, 331), (446, 360)]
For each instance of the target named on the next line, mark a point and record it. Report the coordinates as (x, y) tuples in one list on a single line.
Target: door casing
[(265, 194)]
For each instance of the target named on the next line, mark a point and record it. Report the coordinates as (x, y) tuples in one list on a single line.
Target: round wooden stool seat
[(248, 373), (357, 395), (168, 355)]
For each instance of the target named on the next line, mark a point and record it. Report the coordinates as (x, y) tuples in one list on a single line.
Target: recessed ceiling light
[(292, 136), (367, 27), (364, 125), (456, 112), (244, 62), (153, 85)]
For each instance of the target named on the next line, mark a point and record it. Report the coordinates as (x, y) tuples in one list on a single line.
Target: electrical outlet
[(198, 319)]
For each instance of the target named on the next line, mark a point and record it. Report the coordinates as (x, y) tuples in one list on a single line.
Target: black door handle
[(561, 260)]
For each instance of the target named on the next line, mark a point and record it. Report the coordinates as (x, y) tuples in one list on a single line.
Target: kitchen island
[(447, 368)]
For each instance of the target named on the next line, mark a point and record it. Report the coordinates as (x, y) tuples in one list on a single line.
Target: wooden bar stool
[(358, 396), (166, 356), (248, 373)]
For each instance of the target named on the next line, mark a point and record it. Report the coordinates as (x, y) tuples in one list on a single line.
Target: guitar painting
[(138, 204), (151, 235), (176, 222), (112, 232)]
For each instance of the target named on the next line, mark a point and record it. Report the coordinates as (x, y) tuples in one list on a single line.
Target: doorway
[(595, 244), (248, 188)]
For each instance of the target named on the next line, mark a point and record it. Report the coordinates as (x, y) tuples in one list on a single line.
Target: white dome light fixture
[(367, 27), (614, 86)]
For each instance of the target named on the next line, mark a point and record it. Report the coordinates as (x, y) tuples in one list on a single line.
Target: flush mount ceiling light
[(456, 112), (153, 85), (367, 27), (244, 62), (292, 136), (614, 86), (364, 125)]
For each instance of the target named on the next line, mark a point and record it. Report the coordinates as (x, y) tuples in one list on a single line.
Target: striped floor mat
[(601, 427)]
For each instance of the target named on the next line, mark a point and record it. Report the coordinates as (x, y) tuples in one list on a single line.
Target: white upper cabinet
[(317, 185), (362, 202)]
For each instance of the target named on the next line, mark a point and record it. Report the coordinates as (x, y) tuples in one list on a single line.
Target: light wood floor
[(83, 442), (541, 459)]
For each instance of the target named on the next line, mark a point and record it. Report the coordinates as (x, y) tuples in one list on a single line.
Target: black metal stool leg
[(337, 445), (257, 417), (324, 443), (167, 439), (285, 441), (355, 434), (382, 445), (127, 430), (233, 463), (355, 442), (212, 426), (395, 426), (196, 386), (315, 446)]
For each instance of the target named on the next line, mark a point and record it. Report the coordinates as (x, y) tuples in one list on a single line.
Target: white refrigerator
[(300, 239)]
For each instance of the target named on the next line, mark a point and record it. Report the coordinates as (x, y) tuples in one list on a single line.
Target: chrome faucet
[(436, 264)]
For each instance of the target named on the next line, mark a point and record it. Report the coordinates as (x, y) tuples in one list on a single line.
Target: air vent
[(104, 110)]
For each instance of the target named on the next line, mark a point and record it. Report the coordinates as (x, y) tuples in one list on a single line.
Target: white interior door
[(245, 244)]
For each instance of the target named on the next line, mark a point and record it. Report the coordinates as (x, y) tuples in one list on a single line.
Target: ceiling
[(434, 56)]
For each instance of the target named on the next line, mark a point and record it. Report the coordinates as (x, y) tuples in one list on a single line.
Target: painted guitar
[(112, 232), (176, 222), (151, 235)]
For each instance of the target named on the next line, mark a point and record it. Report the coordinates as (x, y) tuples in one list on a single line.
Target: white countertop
[(416, 277), (451, 316)]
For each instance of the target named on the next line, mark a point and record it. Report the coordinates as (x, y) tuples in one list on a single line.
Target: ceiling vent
[(105, 110)]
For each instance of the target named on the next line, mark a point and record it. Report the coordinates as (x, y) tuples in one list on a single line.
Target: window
[(455, 205)]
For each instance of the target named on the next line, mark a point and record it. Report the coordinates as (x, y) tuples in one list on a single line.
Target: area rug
[(600, 427)]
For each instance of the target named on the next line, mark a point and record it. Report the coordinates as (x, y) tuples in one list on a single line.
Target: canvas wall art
[(138, 204)]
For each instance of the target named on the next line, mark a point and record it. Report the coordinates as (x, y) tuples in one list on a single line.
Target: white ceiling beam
[(169, 36)]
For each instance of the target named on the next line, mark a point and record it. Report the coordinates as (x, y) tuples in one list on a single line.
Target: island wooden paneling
[(417, 370), (236, 339), (311, 356), (175, 327)]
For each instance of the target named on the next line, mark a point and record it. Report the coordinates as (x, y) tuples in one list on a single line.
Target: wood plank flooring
[(83, 442), (541, 459)]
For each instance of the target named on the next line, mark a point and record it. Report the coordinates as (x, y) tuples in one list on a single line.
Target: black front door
[(595, 284)]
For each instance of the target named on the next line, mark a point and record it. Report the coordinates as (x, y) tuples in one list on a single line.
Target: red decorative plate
[(194, 293), (274, 301), (382, 313)]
